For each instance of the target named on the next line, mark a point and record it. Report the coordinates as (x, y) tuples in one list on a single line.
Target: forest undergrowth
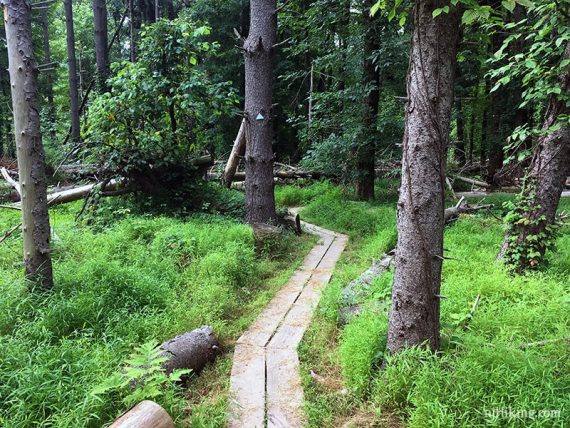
[(496, 367), (129, 279)]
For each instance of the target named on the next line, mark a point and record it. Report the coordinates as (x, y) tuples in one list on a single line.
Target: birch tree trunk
[(414, 316), (547, 175), (30, 152), (101, 42), (258, 53), (72, 70)]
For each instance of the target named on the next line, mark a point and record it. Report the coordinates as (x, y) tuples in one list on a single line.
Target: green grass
[(133, 280), (484, 367)]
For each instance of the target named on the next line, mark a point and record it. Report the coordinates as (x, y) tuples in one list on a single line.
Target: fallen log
[(146, 414), (192, 350), (452, 213), (238, 150), (355, 292), (473, 182), (283, 175)]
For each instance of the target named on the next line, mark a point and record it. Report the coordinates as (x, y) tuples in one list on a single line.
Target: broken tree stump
[(146, 414)]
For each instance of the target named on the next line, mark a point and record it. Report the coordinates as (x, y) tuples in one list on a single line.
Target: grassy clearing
[(482, 368), (120, 283)]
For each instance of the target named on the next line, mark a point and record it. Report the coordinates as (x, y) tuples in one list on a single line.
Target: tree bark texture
[(101, 42), (414, 316), (546, 179), (49, 74), (366, 153), (259, 53), (192, 350), (72, 70), (30, 152)]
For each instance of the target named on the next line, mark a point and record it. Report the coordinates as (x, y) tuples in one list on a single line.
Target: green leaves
[(440, 10), (154, 121), (142, 378)]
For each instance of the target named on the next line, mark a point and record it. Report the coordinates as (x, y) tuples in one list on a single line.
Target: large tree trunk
[(49, 74), (367, 152), (258, 53), (101, 42), (30, 152), (414, 316), (72, 70), (543, 187)]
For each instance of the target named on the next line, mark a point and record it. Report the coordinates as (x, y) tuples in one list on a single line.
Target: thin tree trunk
[(414, 316), (543, 187), (72, 70), (30, 152), (366, 153), (460, 147), (132, 32), (49, 74), (259, 52), (101, 42)]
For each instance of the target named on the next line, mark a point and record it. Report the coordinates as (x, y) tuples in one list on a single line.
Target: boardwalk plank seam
[(265, 383)]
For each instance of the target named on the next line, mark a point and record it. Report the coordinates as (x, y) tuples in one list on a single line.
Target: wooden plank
[(266, 324), (284, 390), (247, 388)]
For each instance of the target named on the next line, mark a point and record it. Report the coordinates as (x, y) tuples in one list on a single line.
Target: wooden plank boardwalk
[(265, 384)]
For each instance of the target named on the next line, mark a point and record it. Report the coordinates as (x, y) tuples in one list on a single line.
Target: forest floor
[(125, 280), (127, 276), (495, 369)]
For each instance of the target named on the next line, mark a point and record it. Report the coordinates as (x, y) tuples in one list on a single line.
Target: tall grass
[(486, 364), (139, 279)]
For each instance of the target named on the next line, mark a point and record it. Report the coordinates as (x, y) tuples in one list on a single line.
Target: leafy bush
[(161, 110)]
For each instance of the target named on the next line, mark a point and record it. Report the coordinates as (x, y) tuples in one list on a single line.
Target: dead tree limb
[(10, 180), (238, 150), (452, 213), (10, 232), (473, 182), (472, 312)]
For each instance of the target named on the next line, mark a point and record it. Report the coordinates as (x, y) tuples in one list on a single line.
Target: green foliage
[(162, 110), (483, 366), (142, 377), (299, 195), (529, 233), (361, 348), (135, 280)]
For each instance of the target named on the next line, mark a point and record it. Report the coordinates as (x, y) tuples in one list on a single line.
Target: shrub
[(161, 110)]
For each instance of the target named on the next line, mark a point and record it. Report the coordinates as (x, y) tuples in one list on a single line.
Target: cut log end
[(146, 414)]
